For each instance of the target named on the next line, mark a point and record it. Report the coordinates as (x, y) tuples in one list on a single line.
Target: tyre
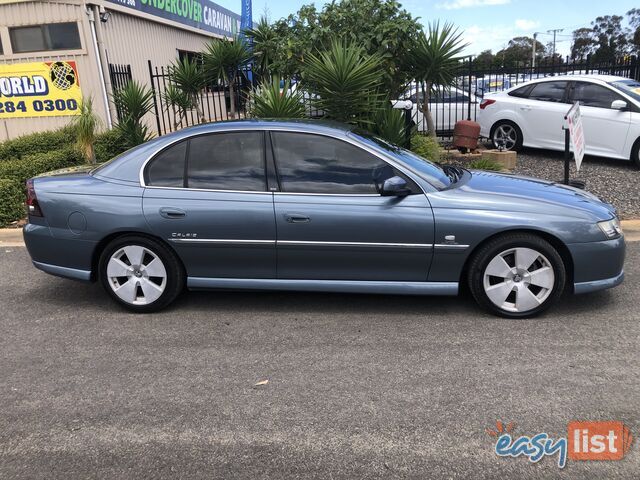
[(635, 154), (506, 134), (140, 273), (516, 275)]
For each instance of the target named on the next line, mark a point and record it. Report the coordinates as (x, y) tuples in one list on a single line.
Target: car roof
[(581, 76)]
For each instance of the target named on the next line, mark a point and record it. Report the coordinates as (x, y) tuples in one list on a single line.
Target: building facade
[(54, 53)]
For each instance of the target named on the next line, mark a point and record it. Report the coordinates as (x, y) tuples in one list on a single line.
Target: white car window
[(592, 95), (548, 91)]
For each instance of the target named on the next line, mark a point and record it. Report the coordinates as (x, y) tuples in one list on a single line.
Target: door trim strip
[(297, 243), (221, 241)]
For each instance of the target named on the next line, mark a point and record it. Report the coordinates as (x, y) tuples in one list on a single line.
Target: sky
[(487, 24)]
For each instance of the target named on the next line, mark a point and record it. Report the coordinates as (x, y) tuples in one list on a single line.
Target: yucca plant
[(265, 45), (269, 101), (187, 81), (345, 82), (223, 59), (389, 123), (86, 124), (133, 101), (433, 62), (181, 103)]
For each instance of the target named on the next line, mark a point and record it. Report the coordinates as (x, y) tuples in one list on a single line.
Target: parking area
[(358, 386)]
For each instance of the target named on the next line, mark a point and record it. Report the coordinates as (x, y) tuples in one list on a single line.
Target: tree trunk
[(232, 98), (426, 112)]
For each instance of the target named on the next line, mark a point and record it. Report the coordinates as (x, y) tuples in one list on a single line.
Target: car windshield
[(432, 172), (630, 87)]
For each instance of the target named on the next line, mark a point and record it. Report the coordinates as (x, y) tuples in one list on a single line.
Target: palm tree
[(433, 62), (188, 80), (268, 101), (133, 101), (345, 82), (86, 124), (223, 59), (265, 44)]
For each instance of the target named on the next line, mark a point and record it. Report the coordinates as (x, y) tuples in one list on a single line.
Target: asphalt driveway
[(359, 386)]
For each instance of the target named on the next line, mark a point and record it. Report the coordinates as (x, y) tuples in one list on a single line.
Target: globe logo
[(62, 75)]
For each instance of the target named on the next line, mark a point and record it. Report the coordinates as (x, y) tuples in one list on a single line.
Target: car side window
[(167, 168), (227, 161), (548, 91), (309, 163), (592, 95), (522, 92)]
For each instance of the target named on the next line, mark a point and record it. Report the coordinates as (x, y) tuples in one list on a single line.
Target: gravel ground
[(616, 181)]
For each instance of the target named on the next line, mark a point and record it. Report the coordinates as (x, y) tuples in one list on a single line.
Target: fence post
[(470, 75), (155, 101)]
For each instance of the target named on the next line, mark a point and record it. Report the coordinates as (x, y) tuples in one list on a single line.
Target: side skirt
[(341, 286)]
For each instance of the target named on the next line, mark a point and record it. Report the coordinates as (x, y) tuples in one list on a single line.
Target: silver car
[(310, 206)]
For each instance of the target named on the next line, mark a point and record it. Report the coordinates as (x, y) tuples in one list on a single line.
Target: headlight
[(611, 228)]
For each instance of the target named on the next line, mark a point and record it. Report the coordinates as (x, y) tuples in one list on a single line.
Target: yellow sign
[(39, 89)]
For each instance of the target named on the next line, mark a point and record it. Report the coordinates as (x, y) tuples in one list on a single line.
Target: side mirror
[(619, 105), (395, 187)]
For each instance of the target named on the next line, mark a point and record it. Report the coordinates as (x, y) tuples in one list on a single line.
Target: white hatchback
[(532, 114)]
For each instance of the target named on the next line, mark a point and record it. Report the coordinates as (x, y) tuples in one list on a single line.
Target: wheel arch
[(102, 244), (555, 242)]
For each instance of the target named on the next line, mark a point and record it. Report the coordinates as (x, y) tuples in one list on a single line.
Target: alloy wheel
[(136, 275), (518, 279), (506, 135)]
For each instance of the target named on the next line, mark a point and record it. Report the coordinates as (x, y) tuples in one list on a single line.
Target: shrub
[(269, 102), (38, 143), (389, 123), (426, 146), (485, 164), (22, 169), (109, 144), (11, 201)]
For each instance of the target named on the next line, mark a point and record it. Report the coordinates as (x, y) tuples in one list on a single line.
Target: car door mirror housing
[(395, 187), (619, 105)]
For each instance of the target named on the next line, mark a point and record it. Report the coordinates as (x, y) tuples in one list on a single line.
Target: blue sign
[(201, 14), (246, 21)]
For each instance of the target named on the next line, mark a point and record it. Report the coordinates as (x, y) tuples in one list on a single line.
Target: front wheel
[(507, 135), (635, 154), (517, 275), (140, 273)]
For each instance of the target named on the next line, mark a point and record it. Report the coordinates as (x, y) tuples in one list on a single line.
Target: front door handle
[(296, 218), (170, 212)]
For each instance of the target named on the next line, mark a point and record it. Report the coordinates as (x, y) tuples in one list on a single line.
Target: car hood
[(505, 192)]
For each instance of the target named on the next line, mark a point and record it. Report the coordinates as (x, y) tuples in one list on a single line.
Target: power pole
[(557, 30), (533, 56)]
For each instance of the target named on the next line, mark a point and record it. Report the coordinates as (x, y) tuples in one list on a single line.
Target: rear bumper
[(64, 257)]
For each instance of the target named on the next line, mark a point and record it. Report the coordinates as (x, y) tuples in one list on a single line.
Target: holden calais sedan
[(532, 114), (275, 205)]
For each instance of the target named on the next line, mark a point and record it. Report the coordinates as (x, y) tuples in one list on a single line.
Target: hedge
[(14, 173), (108, 145), (34, 143), (11, 201)]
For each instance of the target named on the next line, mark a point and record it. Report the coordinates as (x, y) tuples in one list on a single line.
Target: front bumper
[(597, 265)]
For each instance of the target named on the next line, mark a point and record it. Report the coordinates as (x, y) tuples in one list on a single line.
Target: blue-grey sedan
[(298, 205)]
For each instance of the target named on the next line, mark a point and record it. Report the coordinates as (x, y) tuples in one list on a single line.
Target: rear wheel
[(517, 275), (506, 134), (140, 273), (635, 153)]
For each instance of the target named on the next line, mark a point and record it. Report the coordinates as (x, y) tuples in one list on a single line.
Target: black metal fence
[(213, 103), (446, 104), (120, 75)]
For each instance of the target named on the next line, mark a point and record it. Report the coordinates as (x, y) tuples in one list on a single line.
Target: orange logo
[(598, 440)]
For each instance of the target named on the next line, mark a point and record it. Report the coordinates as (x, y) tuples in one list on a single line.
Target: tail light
[(485, 103), (32, 201)]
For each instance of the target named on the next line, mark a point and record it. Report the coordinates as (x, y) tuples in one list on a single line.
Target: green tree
[(381, 27), (484, 59), (434, 61), (610, 38), (133, 101), (223, 59), (265, 43), (187, 81), (268, 101), (583, 43), (634, 33), (518, 52)]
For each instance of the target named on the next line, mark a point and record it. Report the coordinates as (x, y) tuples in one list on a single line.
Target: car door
[(605, 128), (207, 197), (543, 114), (334, 225)]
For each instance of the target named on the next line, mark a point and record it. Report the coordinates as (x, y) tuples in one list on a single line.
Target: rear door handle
[(296, 218), (170, 212)]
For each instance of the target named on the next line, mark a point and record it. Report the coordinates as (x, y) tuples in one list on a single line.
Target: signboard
[(201, 14), (39, 89), (576, 133)]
